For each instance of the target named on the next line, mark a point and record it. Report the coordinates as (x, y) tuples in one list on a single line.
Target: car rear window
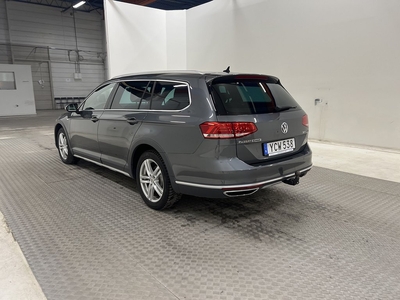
[(281, 96), (250, 96)]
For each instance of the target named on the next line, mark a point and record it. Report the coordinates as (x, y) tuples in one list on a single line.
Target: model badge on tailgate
[(249, 141)]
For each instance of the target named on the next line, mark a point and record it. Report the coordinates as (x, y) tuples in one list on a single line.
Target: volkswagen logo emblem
[(284, 127)]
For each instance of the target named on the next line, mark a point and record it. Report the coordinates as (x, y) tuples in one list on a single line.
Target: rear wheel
[(154, 183), (63, 148)]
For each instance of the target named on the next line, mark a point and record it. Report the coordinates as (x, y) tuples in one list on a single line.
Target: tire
[(154, 183), (63, 148)]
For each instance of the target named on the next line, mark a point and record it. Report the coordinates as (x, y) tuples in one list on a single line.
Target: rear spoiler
[(230, 78)]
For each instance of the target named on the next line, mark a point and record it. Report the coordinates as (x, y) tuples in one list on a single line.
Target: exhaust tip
[(240, 193)]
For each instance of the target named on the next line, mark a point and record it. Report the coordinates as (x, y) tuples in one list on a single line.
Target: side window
[(145, 103), (170, 96), (130, 94), (99, 98)]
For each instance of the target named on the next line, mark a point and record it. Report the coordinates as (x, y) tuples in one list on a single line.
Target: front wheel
[(63, 148), (153, 182)]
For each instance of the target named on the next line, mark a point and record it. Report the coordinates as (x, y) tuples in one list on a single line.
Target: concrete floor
[(17, 280), (366, 161)]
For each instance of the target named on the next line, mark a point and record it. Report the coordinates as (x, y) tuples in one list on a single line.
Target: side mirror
[(73, 107)]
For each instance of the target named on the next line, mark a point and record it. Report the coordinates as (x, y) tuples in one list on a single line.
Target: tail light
[(227, 130), (305, 120)]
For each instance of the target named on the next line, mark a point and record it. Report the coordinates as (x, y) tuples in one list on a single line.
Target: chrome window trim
[(155, 110), (160, 73)]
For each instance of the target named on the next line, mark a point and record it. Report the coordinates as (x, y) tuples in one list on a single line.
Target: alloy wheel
[(151, 180), (63, 145)]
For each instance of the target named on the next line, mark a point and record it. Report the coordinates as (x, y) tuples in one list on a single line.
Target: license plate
[(278, 147)]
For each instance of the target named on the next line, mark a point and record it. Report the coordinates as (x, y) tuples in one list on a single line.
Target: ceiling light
[(79, 4)]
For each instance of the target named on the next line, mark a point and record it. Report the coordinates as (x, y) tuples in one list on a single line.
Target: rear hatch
[(268, 123)]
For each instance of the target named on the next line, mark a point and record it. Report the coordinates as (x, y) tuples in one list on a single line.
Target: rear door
[(281, 123), (119, 124)]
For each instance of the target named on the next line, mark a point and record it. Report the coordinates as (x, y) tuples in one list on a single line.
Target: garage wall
[(44, 38), (63, 80), (5, 54), (345, 53)]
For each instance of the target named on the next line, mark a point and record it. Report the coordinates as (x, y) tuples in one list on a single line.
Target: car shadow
[(272, 213)]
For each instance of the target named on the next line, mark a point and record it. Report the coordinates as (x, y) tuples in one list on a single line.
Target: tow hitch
[(294, 180)]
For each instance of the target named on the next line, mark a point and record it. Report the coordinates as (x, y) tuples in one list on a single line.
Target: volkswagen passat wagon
[(205, 134)]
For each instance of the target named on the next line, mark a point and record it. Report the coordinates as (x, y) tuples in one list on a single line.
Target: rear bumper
[(236, 178), (219, 191)]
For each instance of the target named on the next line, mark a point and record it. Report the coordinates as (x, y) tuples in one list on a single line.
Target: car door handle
[(94, 119), (132, 121)]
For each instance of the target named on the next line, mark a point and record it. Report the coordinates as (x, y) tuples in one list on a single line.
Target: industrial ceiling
[(91, 5)]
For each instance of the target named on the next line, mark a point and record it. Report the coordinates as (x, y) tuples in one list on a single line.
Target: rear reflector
[(227, 130), (305, 120)]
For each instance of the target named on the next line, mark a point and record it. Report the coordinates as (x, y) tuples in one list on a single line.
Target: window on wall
[(7, 81)]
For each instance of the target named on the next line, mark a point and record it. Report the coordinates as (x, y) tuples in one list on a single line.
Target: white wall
[(136, 38), (343, 52), (144, 39), (21, 100), (176, 40)]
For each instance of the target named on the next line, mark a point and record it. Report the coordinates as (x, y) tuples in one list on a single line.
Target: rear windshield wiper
[(283, 108)]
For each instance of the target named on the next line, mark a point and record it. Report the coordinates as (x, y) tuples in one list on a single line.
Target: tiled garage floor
[(87, 234)]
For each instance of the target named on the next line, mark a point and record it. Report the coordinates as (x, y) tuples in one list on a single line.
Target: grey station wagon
[(211, 135)]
